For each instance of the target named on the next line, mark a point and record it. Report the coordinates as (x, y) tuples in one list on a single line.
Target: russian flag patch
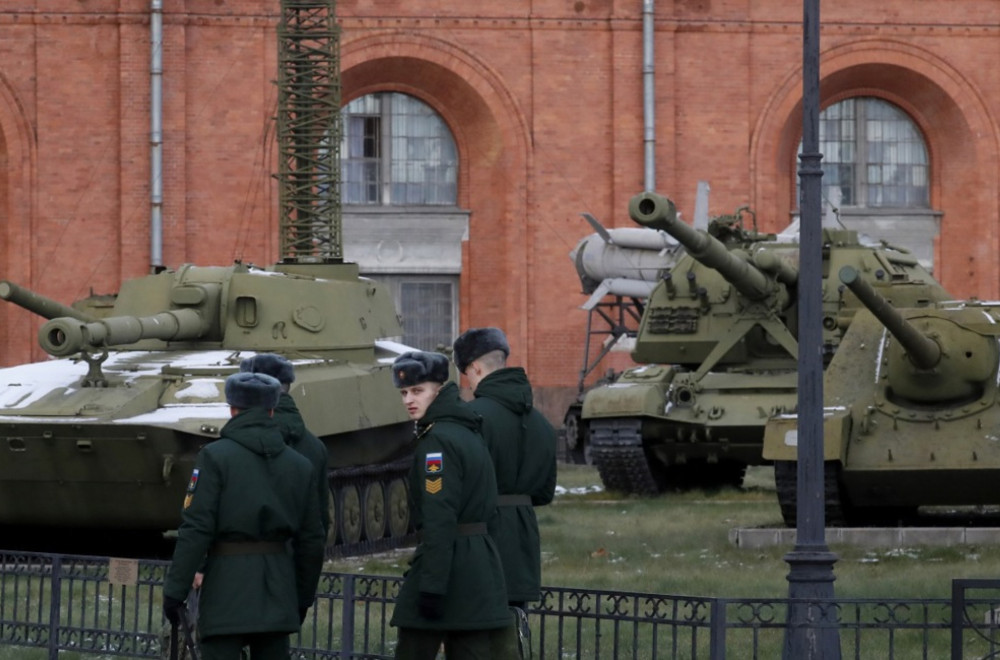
[(434, 463)]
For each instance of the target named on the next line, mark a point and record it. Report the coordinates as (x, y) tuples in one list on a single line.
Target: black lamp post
[(811, 633)]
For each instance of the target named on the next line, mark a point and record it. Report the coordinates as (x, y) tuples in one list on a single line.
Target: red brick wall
[(544, 99)]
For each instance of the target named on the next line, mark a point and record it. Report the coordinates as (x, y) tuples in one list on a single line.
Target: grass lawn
[(678, 544)]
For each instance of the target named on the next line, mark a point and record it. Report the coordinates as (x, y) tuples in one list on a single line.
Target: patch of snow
[(218, 412), (579, 490), (201, 388)]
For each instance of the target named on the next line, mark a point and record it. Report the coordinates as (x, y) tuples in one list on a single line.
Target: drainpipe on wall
[(648, 99), (156, 136)]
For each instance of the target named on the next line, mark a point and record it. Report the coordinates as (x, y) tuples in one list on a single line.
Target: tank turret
[(237, 307), (39, 304), (936, 358), (717, 347)]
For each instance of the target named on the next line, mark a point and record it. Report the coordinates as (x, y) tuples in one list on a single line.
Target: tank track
[(361, 477), (617, 451), (786, 484)]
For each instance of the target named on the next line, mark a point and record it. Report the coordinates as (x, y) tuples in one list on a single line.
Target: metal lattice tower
[(309, 131)]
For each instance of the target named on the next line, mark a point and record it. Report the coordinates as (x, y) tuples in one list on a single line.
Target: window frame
[(396, 283), (861, 143), (391, 109)]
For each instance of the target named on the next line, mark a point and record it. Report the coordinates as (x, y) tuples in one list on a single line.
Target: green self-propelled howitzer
[(718, 349), (106, 435), (910, 412)]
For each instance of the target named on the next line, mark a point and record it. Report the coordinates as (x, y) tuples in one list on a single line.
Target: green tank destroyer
[(718, 352), (910, 411), (105, 435)]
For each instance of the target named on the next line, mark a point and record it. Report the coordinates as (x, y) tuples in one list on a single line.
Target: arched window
[(873, 155), (396, 151), (399, 169), (876, 174)]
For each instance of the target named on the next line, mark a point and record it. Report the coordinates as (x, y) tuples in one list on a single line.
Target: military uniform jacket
[(522, 445), (247, 486), (451, 483), (302, 440)]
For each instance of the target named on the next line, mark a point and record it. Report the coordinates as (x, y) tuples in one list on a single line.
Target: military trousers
[(416, 644), (262, 646)]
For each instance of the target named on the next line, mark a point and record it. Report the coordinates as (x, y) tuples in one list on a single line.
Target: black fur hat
[(271, 364), (248, 390), (474, 343), (418, 367)]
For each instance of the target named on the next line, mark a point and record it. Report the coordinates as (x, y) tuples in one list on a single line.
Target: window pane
[(894, 147), (427, 309), (424, 162), (871, 148), (836, 143), (408, 136), (359, 149)]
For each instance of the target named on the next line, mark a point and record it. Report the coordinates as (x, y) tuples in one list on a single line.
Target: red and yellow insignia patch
[(434, 463), (433, 485), (194, 481), (192, 485)]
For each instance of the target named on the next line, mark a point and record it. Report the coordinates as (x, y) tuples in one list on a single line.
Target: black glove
[(431, 606), (302, 614), (173, 609)]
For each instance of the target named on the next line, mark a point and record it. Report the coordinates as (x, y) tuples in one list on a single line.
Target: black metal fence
[(105, 608)]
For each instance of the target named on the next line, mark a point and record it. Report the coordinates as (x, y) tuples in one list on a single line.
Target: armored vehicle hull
[(719, 351), (910, 415), (106, 437)]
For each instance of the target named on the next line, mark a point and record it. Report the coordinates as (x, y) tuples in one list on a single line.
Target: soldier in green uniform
[(251, 522), (522, 445), (453, 592), (293, 427)]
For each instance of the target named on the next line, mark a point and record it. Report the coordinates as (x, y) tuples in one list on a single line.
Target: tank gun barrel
[(923, 351), (65, 336), (39, 304), (658, 212)]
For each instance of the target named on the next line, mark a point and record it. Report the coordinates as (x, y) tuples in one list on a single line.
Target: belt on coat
[(513, 500), (465, 529), (229, 548)]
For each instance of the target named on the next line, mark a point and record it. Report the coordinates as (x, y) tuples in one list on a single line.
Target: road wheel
[(398, 508), (374, 500), (350, 514)]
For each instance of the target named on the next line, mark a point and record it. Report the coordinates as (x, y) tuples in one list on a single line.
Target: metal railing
[(103, 607)]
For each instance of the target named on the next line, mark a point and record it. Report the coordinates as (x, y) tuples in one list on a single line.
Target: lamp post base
[(811, 633)]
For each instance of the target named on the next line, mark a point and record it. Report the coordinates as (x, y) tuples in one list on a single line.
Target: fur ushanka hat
[(271, 364), (248, 390), (418, 367), (474, 343)]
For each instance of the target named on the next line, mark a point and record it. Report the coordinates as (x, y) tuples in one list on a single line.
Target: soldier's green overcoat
[(522, 445), (302, 440), (249, 486), (451, 484)]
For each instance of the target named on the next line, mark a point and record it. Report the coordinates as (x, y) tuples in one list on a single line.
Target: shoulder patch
[(433, 485), (434, 463), (192, 485), (194, 481)]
